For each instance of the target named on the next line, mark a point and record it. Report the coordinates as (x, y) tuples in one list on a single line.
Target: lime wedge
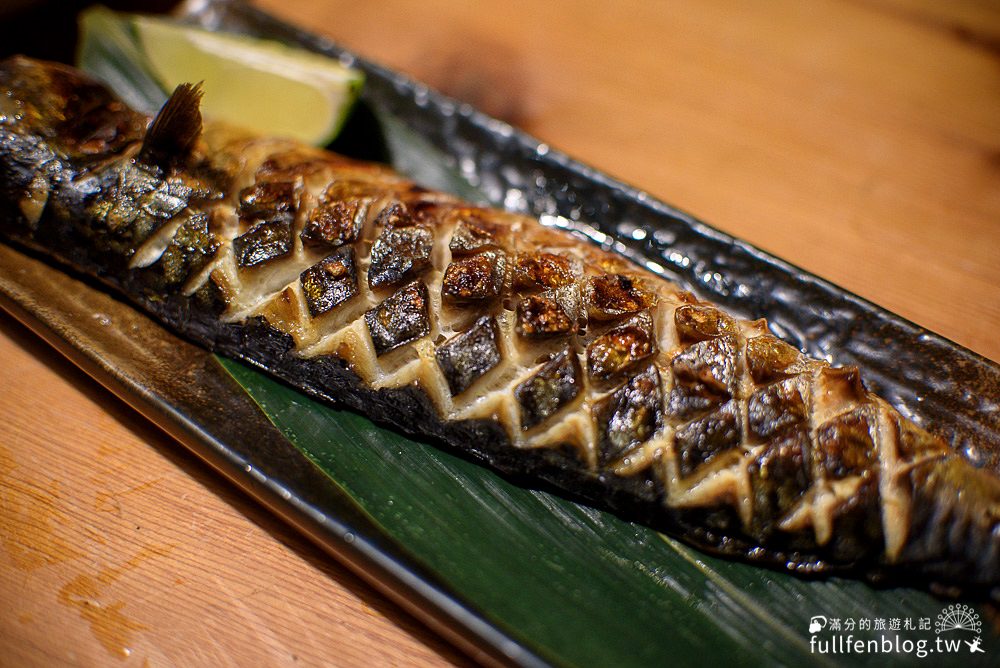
[(261, 85)]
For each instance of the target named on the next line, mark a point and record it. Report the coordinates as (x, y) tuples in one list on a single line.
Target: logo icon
[(958, 617), (974, 646), (817, 624)]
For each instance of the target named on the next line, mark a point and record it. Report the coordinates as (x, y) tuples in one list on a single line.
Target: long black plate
[(940, 385)]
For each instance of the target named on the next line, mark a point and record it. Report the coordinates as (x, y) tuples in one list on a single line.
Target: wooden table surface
[(858, 139)]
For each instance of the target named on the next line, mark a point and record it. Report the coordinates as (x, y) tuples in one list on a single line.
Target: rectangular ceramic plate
[(931, 379), (934, 381)]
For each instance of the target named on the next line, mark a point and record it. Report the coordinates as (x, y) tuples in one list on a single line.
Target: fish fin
[(176, 127)]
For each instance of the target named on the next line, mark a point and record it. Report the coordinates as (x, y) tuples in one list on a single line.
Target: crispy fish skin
[(629, 391)]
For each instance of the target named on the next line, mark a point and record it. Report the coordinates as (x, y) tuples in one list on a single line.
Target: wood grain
[(120, 547), (860, 140)]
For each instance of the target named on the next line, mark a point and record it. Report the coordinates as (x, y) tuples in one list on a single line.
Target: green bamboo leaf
[(580, 586), (109, 50)]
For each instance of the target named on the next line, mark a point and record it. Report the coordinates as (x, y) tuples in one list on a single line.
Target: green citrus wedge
[(261, 85)]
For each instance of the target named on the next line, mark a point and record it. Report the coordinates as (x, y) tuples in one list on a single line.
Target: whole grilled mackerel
[(521, 345)]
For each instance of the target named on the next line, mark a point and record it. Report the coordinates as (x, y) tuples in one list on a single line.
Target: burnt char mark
[(776, 408), (535, 271), (630, 416), (333, 224), (613, 296), (475, 278), (699, 323), (699, 442), (402, 250), (120, 204), (102, 130), (338, 217), (779, 476), (28, 171), (264, 242), (398, 254), (769, 358), (330, 282), (556, 384), (192, 247), (711, 363), (264, 200), (857, 522), (687, 402), (621, 348), (402, 318), (474, 233), (132, 203), (77, 116), (466, 357), (397, 214), (542, 316), (844, 445), (171, 197), (705, 375)]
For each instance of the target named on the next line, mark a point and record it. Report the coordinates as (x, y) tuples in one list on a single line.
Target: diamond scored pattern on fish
[(557, 343)]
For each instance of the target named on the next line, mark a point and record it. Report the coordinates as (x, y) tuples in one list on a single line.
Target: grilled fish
[(536, 353)]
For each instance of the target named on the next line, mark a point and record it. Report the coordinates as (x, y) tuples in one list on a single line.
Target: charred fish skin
[(537, 353)]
